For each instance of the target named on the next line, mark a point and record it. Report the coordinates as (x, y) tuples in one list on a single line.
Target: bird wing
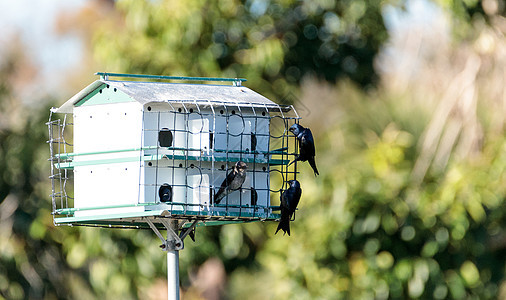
[(228, 180), (293, 197), (284, 222), (224, 186), (298, 194), (307, 144)]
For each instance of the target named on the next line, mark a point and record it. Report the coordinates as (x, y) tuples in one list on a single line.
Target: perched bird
[(233, 182), (289, 200), (165, 193), (306, 146)]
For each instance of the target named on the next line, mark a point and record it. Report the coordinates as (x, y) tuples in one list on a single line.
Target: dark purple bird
[(289, 201), (306, 146)]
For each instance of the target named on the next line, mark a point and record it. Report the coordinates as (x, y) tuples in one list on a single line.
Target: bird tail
[(192, 234), (218, 196), (284, 224), (313, 165)]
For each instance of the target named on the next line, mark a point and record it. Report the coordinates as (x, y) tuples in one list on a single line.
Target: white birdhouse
[(125, 150)]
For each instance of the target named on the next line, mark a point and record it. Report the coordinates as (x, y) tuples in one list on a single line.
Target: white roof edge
[(131, 88), (68, 106)]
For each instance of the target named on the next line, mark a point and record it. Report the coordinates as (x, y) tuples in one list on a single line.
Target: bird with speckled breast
[(232, 182)]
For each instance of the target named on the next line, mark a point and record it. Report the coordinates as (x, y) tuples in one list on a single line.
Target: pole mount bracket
[(173, 241)]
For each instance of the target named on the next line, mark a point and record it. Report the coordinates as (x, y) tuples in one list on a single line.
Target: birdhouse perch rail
[(259, 160), (71, 211), (63, 156), (136, 224)]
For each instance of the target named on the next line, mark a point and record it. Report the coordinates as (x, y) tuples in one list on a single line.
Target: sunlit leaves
[(263, 41), (364, 229)]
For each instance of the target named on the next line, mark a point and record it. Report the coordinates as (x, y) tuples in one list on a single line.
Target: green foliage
[(272, 44), (365, 229), (470, 13)]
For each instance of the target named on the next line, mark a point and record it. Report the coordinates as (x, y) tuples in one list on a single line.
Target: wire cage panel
[(62, 178), (193, 188), (206, 132)]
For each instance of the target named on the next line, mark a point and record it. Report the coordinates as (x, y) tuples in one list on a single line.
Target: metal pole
[(172, 265)]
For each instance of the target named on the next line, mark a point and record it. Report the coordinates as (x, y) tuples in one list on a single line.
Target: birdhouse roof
[(147, 92)]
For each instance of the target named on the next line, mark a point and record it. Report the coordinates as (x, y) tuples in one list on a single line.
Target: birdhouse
[(147, 147)]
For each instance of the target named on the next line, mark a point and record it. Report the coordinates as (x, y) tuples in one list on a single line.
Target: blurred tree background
[(409, 119)]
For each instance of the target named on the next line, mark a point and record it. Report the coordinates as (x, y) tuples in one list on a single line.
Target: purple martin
[(165, 193), (233, 182), (289, 200), (306, 146)]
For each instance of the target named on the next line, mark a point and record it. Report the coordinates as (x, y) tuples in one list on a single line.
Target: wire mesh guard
[(115, 164)]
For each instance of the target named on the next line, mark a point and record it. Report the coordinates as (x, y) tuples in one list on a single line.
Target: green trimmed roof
[(147, 92)]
